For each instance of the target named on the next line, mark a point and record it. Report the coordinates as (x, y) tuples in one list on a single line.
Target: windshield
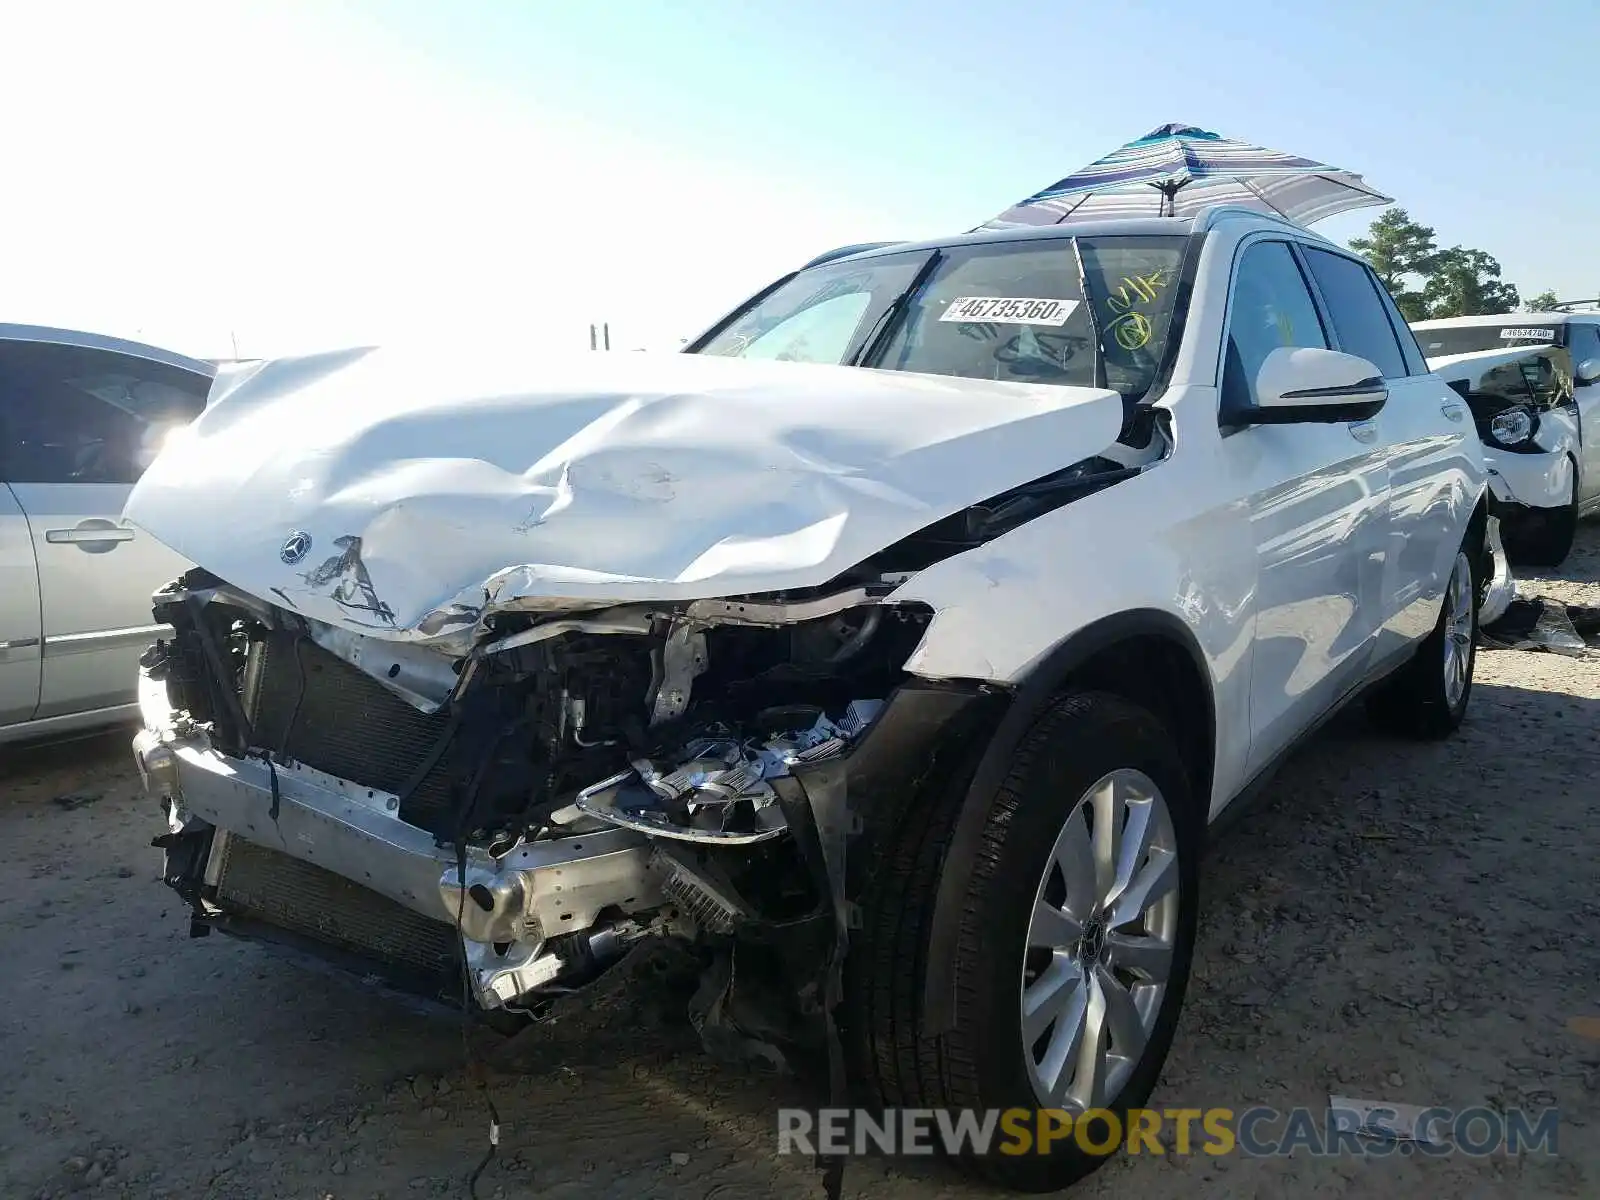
[(1468, 339), (1004, 311)]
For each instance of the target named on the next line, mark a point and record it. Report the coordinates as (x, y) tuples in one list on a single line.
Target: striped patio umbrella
[(1177, 170)]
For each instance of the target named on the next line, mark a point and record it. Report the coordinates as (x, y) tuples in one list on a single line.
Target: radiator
[(274, 889), (317, 709)]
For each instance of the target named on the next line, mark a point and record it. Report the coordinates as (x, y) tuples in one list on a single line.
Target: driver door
[(1317, 494)]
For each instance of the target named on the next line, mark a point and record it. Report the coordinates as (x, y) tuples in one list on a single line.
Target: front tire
[(1427, 698), (1075, 939)]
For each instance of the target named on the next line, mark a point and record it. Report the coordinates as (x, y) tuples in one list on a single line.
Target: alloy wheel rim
[(1458, 631), (1100, 943)]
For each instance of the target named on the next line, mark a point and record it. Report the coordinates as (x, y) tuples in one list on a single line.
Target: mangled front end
[(383, 741), (572, 785)]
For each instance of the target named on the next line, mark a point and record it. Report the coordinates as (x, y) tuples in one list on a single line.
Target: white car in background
[(80, 417), (1532, 381)]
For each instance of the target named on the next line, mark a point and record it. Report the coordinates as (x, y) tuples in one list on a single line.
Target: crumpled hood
[(399, 494)]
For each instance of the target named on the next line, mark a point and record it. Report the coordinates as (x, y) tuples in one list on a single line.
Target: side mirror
[(1589, 370), (1301, 383)]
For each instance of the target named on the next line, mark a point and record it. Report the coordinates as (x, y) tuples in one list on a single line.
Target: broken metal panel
[(1000, 607), (407, 497), (420, 675)]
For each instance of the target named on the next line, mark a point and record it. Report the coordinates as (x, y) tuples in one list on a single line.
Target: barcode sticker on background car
[(1524, 334), (1009, 310)]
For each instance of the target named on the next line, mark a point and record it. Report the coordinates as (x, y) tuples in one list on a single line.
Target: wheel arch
[(1147, 656)]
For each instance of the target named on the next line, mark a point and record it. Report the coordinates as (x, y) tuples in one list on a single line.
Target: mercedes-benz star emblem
[(295, 547)]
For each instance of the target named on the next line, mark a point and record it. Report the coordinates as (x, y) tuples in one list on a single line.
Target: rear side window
[(1416, 364), (1360, 321), (74, 415)]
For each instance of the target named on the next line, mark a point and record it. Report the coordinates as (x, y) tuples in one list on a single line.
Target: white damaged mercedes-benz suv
[(899, 641)]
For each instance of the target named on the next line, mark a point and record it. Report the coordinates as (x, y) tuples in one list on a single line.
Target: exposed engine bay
[(575, 784)]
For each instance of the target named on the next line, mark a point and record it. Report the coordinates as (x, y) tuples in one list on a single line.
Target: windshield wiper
[(886, 319)]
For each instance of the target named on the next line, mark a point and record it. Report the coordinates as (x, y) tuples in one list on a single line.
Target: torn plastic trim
[(1502, 587)]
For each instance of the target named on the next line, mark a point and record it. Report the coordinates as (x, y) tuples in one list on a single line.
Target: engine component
[(712, 908), (505, 973), (718, 791)]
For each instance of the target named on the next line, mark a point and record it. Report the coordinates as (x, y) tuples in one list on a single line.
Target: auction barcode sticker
[(1523, 334), (1009, 310)]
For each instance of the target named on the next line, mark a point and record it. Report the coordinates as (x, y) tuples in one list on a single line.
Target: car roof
[(1518, 318), (111, 345), (1201, 222)]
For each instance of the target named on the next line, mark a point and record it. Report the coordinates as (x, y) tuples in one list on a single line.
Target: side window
[(72, 415), (818, 334), (1584, 341), (1416, 363), (1271, 307), (1360, 321)]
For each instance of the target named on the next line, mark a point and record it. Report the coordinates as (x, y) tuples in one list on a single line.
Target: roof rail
[(1210, 216), (846, 251), (1567, 306)]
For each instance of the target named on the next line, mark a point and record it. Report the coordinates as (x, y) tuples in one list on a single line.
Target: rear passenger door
[(79, 426), (1435, 460)]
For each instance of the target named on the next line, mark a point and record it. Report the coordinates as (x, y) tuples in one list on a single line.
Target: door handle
[(94, 536), (7, 649), (1453, 412), (1363, 431)]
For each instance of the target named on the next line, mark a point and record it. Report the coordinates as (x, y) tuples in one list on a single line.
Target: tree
[(1543, 302), (1464, 283), (1398, 248)]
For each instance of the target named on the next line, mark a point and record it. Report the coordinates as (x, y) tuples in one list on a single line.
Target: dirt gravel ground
[(1393, 922)]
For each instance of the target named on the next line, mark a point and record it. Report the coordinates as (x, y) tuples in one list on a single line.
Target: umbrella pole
[(1169, 195)]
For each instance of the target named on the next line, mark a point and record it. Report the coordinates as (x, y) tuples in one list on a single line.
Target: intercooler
[(268, 888), (311, 706)]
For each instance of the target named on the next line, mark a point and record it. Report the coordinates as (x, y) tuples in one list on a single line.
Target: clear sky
[(301, 175)]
